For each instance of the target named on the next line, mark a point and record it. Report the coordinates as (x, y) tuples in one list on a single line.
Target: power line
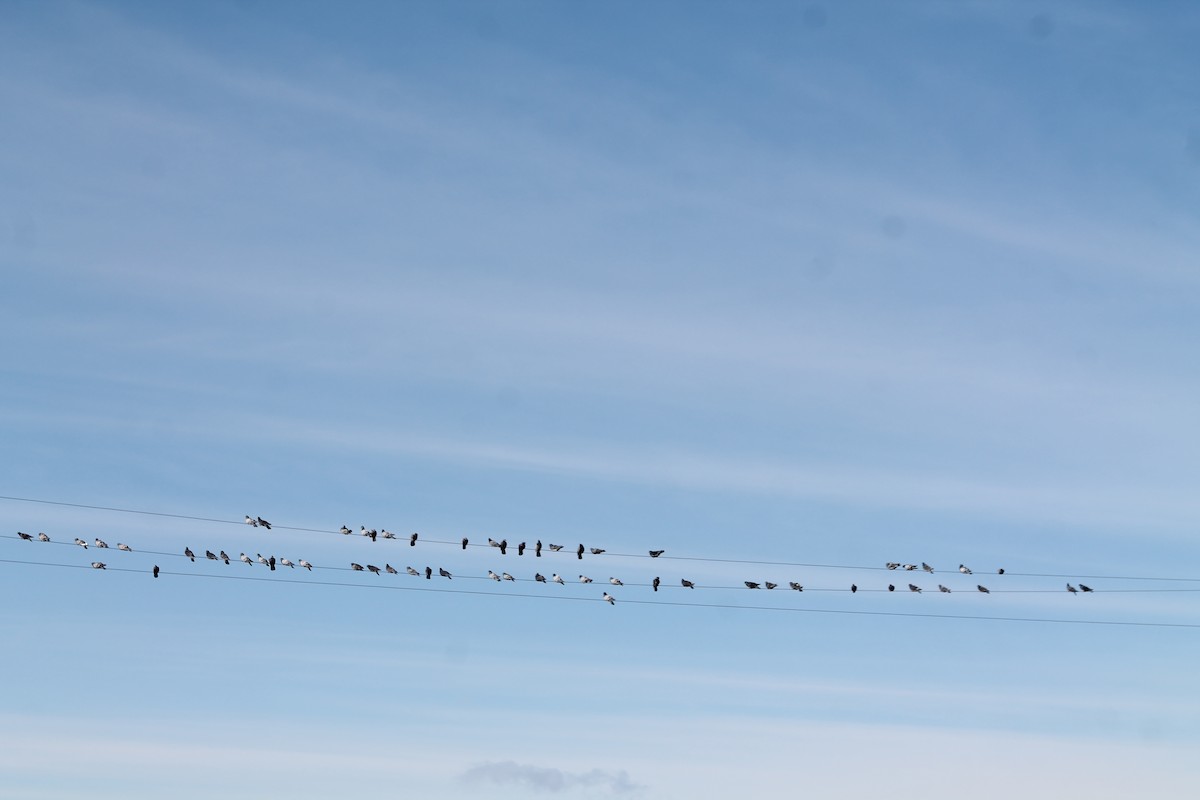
[(664, 557), (731, 606)]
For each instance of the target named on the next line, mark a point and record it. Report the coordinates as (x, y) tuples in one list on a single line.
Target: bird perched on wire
[(965, 570), (345, 531), (43, 537), (245, 558), (98, 565), (412, 571), (225, 557), (387, 534), (538, 551), (926, 567), (555, 547), (373, 534), (686, 583), (307, 565), (464, 543), (187, 551), (796, 586), (893, 564), (1000, 571), (508, 577), (1085, 588), (156, 570), (655, 584), (558, 579), (521, 549), (612, 601), (101, 543), (81, 543), (912, 587), (504, 547), (539, 577), (891, 587), (751, 584), (209, 554), (390, 569), (492, 542), (656, 553), (263, 523), (262, 560), (412, 540), (615, 581), (271, 563), (287, 562), (598, 550), (373, 568), (356, 567), (945, 589), (584, 579), (428, 573), (982, 588), (444, 573), (493, 576), (26, 536), (1072, 589), (853, 588), (251, 521), (579, 553)]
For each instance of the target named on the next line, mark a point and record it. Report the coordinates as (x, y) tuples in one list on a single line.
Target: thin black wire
[(664, 557), (1044, 620)]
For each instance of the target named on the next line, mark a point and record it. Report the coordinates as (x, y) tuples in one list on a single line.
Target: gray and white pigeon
[(101, 543), (306, 565), (263, 560), (1072, 589), (287, 562), (964, 569), (264, 523), (615, 581), (557, 579), (225, 557), (555, 547), (770, 585), (124, 547), (81, 543), (493, 576), (926, 567), (412, 571), (612, 601), (386, 534), (43, 537), (508, 577), (796, 586), (345, 531), (245, 558), (98, 565), (598, 550), (210, 555), (584, 579), (251, 521), (187, 551), (945, 589)]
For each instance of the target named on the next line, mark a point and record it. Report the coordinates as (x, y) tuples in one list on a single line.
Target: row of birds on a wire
[(271, 562)]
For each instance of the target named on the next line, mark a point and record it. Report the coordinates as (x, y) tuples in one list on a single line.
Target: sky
[(787, 290)]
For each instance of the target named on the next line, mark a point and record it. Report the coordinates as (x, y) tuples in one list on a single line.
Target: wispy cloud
[(549, 779)]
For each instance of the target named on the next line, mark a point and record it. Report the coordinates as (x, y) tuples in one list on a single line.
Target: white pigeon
[(492, 542), (345, 531), (98, 565), (612, 601), (43, 537), (555, 547), (306, 565), (81, 543), (262, 560), (287, 562), (584, 579), (101, 543), (246, 559), (387, 534), (251, 521), (964, 569), (124, 547), (508, 577), (493, 576), (615, 581), (411, 571), (557, 579)]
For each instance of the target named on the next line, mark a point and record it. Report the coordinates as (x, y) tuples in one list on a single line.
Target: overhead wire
[(564, 552), (729, 606)]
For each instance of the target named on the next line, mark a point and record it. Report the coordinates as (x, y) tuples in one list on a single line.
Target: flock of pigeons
[(271, 562)]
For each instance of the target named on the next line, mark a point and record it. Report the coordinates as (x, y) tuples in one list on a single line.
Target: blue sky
[(802, 283)]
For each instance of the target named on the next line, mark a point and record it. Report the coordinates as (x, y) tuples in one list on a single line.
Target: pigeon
[(751, 584), (853, 588), (27, 537), (557, 579), (912, 587), (264, 523), (246, 559), (656, 553), (926, 567), (307, 565), (1085, 588), (390, 569), (686, 583), (945, 589), (464, 543), (1000, 571), (796, 586), (965, 570), (209, 554), (356, 567), (508, 577), (493, 576), (101, 543), (982, 588), (225, 557), (612, 601), (555, 547), (373, 568), (891, 587), (373, 534), (43, 537), (539, 577), (615, 581), (444, 573), (363, 530), (98, 565), (893, 564), (251, 521), (584, 579), (345, 531), (81, 543), (521, 549), (156, 570), (655, 584), (287, 562), (909, 567), (412, 540), (538, 552), (579, 553), (262, 560), (412, 571), (1072, 589), (770, 585), (504, 547), (271, 563), (386, 534), (598, 550), (187, 551), (492, 542)]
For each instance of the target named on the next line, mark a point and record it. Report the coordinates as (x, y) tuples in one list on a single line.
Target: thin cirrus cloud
[(549, 779)]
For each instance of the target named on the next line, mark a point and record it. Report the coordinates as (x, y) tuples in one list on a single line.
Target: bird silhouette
[(598, 550), (1072, 589), (373, 568), (656, 553), (891, 587), (210, 555), (945, 589), (853, 588), (464, 543), (156, 570), (521, 549), (926, 567), (271, 563), (1000, 571), (538, 551), (373, 534), (1085, 588), (579, 553), (428, 573), (982, 588), (412, 540), (655, 583), (504, 547), (264, 523), (686, 583), (796, 586), (26, 536), (893, 564), (750, 584), (770, 585)]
